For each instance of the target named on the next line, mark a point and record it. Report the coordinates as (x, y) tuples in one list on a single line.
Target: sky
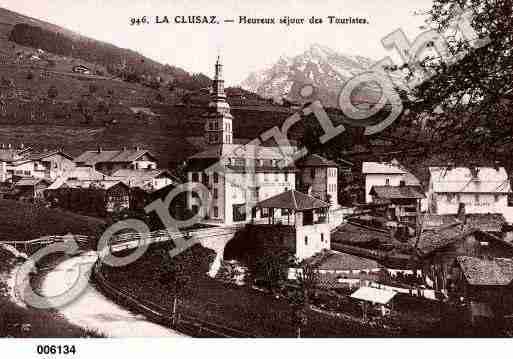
[(243, 48)]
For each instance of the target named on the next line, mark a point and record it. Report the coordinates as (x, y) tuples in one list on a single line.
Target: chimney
[(461, 213)]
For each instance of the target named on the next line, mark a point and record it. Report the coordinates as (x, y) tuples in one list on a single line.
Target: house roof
[(314, 160), (139, 178), (466, 180), (488, 222), (43, 154), (116, 156), (431, 241), (10, 155), (477, 271), (294, 200), (333, 260), (357, 234), (101, 184), (393, 167), (397, 192), (381, 168), (374, 295), (29, 181)]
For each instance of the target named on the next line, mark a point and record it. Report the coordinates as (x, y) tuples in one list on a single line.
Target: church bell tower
[(218, 125)]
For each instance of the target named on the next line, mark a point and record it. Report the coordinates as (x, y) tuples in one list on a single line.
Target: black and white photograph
[(295, 170)]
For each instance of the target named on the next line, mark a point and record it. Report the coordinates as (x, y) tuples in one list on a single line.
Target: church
[(238, 176)]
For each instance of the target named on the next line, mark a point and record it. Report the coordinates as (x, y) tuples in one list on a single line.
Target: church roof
[(294, 200), (250, 151)]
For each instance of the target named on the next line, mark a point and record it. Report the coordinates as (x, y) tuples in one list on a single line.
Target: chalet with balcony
[(403, 201)]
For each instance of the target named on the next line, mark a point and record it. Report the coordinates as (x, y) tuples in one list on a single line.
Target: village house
[(385, 174), (50, 164), (437, 250), (96, 198), (319, 178), (296, 222), (30, 189), (344, 270), (480, 189), (148, 180), (24, 162), (403, 201), (8, 157), (485, 285), (109, 161)]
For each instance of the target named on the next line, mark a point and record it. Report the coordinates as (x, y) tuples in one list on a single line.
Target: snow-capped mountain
[(320, 66)]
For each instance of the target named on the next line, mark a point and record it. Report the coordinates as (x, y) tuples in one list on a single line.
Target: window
[(312, 172), (306, 240), (322, 237), (195, 177), (215, 194), (387, 182), (216, 177), (476, 198), (265, 212), (286, 176), (266, 177), (216, 212), (496, 197)]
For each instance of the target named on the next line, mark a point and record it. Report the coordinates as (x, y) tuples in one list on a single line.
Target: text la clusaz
[(187, 19)]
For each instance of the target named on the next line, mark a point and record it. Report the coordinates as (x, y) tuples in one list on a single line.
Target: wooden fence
[(34, 244), (127, 241), (187, 324)]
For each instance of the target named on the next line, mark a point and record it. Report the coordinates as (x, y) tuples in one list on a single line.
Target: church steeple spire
[(218, 94), (218, 127)]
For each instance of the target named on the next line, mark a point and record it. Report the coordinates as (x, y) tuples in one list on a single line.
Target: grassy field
[(240, 308), (17, 321), (24, 221)]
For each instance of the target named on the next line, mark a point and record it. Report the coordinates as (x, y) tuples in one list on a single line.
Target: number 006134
[(56, 349)]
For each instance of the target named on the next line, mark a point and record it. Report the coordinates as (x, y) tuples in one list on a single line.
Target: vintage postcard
[(255, 169)]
